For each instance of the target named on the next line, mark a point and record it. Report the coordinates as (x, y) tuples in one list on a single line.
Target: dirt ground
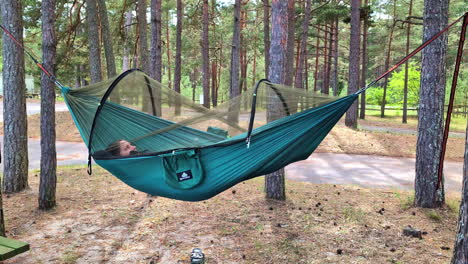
[(100, 220)]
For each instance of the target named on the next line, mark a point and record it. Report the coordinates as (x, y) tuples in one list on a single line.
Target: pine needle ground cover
[(101, 220)]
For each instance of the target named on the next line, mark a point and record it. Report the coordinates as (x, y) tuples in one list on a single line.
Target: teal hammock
[(186, 163)]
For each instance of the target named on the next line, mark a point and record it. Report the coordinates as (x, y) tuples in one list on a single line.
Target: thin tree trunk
[(93, 41), (48, 178), (156, 51), (274, 182), (290, 42), (126, 64), (143, 38), (303, 47), (168, 50), (205, 56), (317, 43), (328, 57), (15, 138), (405, 88), (108, 49), (335, 59), (431, 107), (178, 57), (362, 113), (234, 88), (387, 62), (266, 35), (353, 83), (460, 251)]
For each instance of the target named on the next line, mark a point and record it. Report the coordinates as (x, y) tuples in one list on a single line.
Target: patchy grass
[(101, 220)]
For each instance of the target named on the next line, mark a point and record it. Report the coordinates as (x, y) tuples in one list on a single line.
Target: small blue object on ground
[(197, 257)]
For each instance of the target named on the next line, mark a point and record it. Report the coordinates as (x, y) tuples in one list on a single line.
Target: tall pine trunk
[(48, 179), (234, 88), (365, 24), (205, 56), (431, 107), (290, 44), (266, 35), (460, 252), (353, 81), (143, 38), (274, 182), (387, 62), (15, 137), (178, 56), (299, 81), (405, 87), (334, 74), (93, 41), (156, 51), (107, 39), (126, 63)]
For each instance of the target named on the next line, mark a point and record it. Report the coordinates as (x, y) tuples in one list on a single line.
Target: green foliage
[(395, 88)]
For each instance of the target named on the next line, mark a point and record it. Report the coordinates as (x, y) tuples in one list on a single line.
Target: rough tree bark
[(234, 89), (143, 38), (93, 41), (365, 26), (290, 44), (15, 138), (205, 56), (405, 88), (460, 252), (334, 74), (156, 51), (431, 107), (274, 182), (48, 178), (303, 48), (266, 35), (107, 39), (353, 81), (178, 55), (127, 42)]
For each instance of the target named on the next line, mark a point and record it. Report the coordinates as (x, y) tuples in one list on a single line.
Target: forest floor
[(98, 219), (101, 220)]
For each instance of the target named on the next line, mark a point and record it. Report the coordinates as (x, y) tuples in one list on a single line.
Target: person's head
[(121, 148)]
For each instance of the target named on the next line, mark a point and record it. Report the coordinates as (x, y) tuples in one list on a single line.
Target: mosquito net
[(153, 118)]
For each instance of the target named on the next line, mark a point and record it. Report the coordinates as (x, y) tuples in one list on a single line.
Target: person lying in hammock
[(122, 148)]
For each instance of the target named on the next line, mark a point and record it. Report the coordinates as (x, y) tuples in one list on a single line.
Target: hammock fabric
[(186, 163)]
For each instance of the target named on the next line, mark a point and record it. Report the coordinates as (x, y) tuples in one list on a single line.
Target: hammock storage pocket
[(182, 169)]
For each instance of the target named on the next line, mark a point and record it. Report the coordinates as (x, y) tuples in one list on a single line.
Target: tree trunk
[(362, 113), (168, 50), (387, 62), (126, 64), (274, 182), (460, 252), (327, 67), (93, 41), (178, 56), (317, 43), (15, 138), (334, 74), (2, 217), (353, 81), (143, 39), (205, 56), (303, 48), (431, 107), (405, 88), (290, 42), (266, 35), (48, 179), (156, 51), (234, 88), (108, 49)]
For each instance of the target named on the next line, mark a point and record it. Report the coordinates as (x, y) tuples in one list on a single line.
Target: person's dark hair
[(114, 148)]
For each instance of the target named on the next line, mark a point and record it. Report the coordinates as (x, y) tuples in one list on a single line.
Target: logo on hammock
[(184, 175)]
